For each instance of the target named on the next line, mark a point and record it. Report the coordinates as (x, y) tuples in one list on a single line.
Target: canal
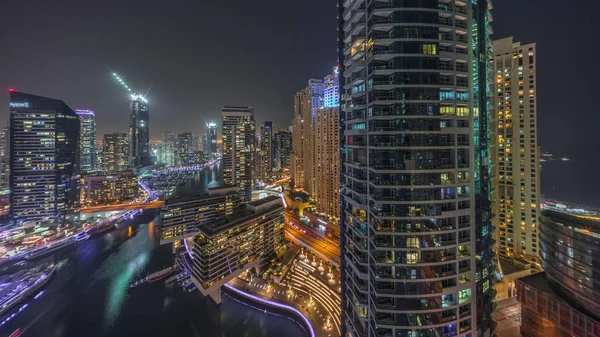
[(90, 295)]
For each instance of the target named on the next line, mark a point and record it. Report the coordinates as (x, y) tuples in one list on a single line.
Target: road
[(122, 207), (324, 247)]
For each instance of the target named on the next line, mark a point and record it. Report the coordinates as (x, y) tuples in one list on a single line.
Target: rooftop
[(587, 223), (253, 210)]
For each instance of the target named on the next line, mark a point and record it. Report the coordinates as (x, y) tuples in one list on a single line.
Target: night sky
[(200, 55)]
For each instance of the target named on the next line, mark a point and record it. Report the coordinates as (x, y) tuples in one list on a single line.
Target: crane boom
[(122, 82)]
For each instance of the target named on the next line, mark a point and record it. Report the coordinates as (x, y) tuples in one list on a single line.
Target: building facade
[(87, 140), (327, 161), (266, 144), (227, 246), (565, 299), (44, 158), (108, 189), (4, 157), (516, 174), (115, 152), (416, 232), (239, 139), (139, 132)]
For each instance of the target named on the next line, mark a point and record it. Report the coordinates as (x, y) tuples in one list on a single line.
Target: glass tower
[(44, 158), (139, 132), (239, 139), (87, 140), (415, 209)]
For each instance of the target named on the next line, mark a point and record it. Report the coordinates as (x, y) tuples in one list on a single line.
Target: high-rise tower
[(44, 158), (239, 137), (115, 151), (266, 140), (87, 140), (139, 126), (516, 179), (139, 131), (210, 139), (416, 221)]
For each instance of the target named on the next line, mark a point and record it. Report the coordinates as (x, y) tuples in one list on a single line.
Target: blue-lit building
[(331, 90), (87, 140), (44, 158)]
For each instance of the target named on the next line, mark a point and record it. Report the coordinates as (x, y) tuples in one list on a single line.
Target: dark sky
[(201, 54)]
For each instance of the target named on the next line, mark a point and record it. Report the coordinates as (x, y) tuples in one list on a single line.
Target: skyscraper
[(314, 101), (416, 221), (266, 140), (517, 177), (115, 150), (44, 156), (282, 150), (87, 140), (185, 148), (315, 139), (300, 133), (210, 139), (239, 137), (327, 161), (166, 150), (139, 132)]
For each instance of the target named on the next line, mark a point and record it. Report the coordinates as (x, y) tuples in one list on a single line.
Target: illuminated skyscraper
[(326, 159), (87, 140), (115, 150), (185, 148), (416, 226), (139, 132), (44, 158), (517, 177), (239, 137), (210, 139)]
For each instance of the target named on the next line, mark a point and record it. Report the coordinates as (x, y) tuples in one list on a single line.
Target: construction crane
[(125, 86)]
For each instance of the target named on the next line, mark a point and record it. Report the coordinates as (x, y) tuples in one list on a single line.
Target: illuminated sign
[(19, 104)]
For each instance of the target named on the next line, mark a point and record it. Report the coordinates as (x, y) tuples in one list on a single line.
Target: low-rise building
[(180, 217), (227, 246), (108, 189)]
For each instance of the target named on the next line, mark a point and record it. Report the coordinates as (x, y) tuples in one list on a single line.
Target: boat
[(27, 289), (159, 275)]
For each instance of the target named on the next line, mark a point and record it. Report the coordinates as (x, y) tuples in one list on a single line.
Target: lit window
[(429, 49)]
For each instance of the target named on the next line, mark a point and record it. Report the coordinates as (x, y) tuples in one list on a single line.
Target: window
[(412, 243), (429, 49), (412, 257)]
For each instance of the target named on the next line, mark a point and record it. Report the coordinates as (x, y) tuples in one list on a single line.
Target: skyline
[(309, 42)]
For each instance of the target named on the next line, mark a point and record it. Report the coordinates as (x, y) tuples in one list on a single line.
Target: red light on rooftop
[(11, 89)]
